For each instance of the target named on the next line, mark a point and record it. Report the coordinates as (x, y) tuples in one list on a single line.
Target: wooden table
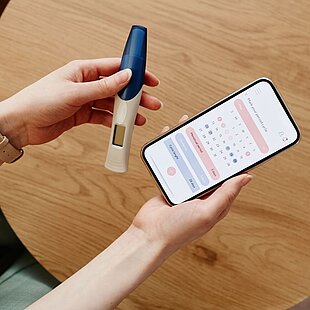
[(66, 207)]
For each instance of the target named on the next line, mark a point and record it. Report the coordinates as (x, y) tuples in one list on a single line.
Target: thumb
[(106, 87), (224, 196)]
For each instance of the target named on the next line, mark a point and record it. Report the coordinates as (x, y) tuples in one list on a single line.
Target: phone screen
[(230, 137)]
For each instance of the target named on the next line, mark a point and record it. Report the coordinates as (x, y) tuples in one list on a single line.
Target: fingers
[(166, 128), (150, 79), (91, 69), (107, 104), (101, 117), (87, 72), (105, 118), (140, 120), (181, 120), (147, 101), (103, 88), (150, 102), (223, 197)]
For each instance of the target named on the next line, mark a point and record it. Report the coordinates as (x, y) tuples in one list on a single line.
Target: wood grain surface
[(66, 207)]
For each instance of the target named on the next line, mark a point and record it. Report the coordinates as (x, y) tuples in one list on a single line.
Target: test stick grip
[(127, 100), (121, 133)]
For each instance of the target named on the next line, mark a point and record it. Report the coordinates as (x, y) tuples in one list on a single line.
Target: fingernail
[(161, 104), (123, 76), (246, 180), (183, 118)]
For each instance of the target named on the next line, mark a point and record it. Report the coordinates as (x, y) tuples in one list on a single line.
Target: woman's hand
[(80, 92), (172, 227), (156, 232)]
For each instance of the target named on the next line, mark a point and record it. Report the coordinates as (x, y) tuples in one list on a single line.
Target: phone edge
[(212, 106)]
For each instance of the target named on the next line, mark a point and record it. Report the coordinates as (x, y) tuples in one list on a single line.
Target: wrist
[(152, 248), (12, 125)]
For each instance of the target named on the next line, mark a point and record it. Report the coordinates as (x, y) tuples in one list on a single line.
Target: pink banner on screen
[(249, 122), (202, 153)]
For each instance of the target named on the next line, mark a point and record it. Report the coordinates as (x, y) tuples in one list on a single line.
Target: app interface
[(223, 141)]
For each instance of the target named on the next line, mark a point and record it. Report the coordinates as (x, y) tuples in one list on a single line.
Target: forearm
[(110, 277)]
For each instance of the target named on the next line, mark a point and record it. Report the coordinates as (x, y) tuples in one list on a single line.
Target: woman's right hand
[(80, 92)]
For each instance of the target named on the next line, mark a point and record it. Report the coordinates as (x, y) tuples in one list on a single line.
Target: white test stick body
[(127, 101), (122, 128)]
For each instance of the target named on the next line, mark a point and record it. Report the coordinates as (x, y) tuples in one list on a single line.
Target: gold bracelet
[(8, 153)]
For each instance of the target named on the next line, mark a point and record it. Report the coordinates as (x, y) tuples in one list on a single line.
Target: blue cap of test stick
[(134, 58)]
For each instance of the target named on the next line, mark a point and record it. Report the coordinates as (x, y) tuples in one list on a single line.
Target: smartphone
[(230, 137)]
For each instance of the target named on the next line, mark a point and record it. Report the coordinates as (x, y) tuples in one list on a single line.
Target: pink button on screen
[(171, 171)]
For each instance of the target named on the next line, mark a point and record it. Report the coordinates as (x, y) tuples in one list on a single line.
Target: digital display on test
[(119, 134), (237, 133)]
